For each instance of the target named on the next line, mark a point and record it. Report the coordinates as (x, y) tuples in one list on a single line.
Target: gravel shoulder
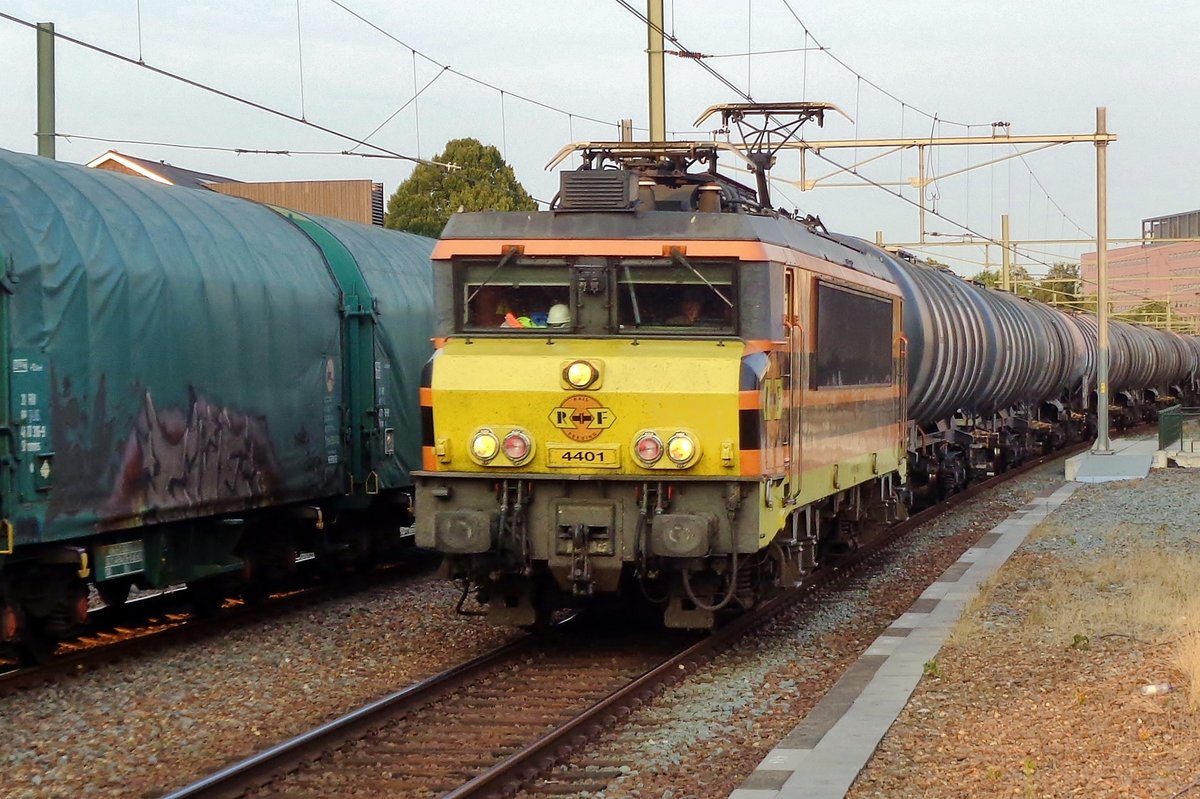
[(1042, 689), (1017, 707), (152, 724)]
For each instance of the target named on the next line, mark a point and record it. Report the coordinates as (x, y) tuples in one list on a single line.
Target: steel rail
[(523, 765), (234, 779)]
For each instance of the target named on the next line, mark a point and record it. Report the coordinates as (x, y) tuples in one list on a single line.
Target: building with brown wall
[(354, 200)]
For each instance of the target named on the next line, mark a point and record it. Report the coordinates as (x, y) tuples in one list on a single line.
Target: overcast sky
[(1043, 67)]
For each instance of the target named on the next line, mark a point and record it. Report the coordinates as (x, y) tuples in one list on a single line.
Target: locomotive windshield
[(675, 297), (596, 296), (515, 297)]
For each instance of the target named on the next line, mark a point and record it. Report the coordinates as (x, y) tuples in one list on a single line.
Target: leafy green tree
[(481, 181), (1018, 275), (1060, 284), (988, 277)]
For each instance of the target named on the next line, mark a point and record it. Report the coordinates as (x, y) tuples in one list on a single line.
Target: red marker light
[(516, 446), (649, 448)]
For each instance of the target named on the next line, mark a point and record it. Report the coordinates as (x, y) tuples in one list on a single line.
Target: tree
[(988, 277), (481, 182), (1060, 285), (1018, 276)]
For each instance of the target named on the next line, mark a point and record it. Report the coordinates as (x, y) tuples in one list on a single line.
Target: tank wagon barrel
[(193, 387)]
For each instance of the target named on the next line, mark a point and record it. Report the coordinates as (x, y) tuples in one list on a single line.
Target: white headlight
[(681, 449), (580, 374), (485, 445)]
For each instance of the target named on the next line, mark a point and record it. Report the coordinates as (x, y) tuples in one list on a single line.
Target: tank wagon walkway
[(822, 756)]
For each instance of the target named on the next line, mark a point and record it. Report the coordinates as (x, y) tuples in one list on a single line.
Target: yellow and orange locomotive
[(657, 389)]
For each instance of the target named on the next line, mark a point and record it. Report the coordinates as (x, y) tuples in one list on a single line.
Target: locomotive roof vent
[(597, 190)]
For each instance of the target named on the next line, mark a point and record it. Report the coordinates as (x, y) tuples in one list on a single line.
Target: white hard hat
[(559, 315)]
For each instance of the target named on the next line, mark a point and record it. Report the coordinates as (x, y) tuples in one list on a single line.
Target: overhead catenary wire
[(516, 95), (939, 215), (1047, 193), (671, 38), (396, 113), (934, 117), (235, 150), (808, 35), (697, 55), (214, 90)]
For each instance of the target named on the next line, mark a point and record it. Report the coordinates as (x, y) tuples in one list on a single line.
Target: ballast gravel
[(703, 737), (152, 724)]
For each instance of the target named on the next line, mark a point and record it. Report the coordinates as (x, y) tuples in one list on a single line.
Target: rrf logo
[(582, 418)]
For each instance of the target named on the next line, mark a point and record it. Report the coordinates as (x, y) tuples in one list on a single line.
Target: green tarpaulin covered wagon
[(193, 384)]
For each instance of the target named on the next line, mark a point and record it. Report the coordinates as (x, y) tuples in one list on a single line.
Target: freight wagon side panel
[(398, 271), (172, 353)]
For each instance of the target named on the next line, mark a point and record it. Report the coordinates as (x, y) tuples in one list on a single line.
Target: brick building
[(1155, 269)]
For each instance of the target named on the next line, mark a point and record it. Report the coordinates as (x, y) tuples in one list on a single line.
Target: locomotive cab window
[(854, 338), (514, 297), (672, 297)]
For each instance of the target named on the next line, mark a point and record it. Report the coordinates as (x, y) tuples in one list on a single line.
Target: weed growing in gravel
[(931, 669), (1029, 768)]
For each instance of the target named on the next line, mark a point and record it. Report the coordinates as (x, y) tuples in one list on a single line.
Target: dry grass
[(1143, 593), (1074, 595), (970, 623), (1186, 653)]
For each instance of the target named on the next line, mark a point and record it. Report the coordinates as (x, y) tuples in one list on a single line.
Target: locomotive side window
[(674, 297), (516, 297), (854, 339)]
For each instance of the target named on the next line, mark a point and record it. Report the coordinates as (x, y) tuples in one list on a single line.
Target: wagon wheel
[(114, 593)]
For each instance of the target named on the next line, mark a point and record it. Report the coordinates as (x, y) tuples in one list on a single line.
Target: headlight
[(681, 449), (517, 446), (485, 445), (648, 448), (580, 374)]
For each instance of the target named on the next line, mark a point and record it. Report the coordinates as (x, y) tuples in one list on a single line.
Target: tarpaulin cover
[(398, 272), (171, 352)]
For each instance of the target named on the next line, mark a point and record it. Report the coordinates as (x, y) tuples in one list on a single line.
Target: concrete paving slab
[(1130, 459)]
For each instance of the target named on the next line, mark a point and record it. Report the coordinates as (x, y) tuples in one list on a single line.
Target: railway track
[(488, 726), (158, 621)]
